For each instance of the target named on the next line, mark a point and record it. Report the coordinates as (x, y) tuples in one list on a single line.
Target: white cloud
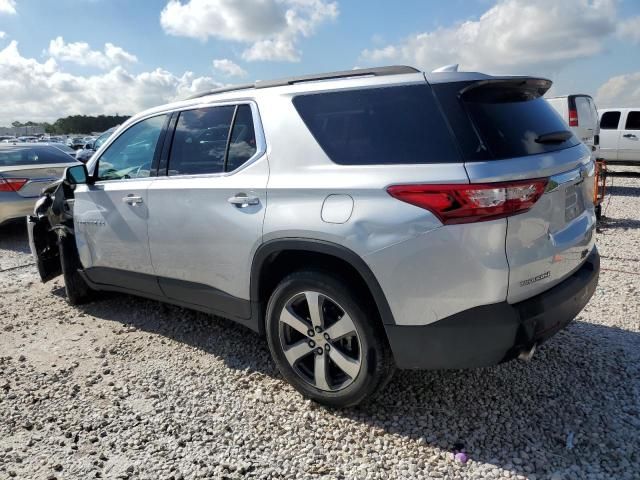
[(630, 29), (8, 7), (514, 36), (620, 91), (2, 35), (271, 28), (81, 53), (42, 91), (229, 68)]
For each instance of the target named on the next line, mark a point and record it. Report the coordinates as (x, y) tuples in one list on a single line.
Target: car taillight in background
[(467, 203), (573, 118), (12, 184)]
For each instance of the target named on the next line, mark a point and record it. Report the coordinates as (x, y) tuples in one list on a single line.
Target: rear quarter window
[(378, 126)]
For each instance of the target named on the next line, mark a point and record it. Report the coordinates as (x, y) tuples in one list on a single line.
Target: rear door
[(629, 141), (206, 213), (609, 134), (519, 136), (587, 127), (110, 216)]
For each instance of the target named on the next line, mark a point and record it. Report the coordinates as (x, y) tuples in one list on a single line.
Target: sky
[(66, 57)]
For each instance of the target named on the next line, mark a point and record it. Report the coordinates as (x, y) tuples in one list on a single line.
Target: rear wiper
[(554, 137)]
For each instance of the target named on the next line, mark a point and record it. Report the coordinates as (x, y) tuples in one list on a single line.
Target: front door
[(629, 143), (110, 216), (206, 214)]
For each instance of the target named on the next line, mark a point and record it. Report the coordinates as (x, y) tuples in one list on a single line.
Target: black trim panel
[(317, 246), (491, 334), (206, 296), (178, 292), (131, 281)]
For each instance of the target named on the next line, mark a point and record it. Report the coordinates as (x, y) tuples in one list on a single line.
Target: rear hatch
[(508, 132)]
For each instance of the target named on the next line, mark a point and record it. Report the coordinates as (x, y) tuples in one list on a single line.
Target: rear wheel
[(327, 344), (77, 290)]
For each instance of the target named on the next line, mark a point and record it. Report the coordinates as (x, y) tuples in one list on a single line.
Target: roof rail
[(356, 72)]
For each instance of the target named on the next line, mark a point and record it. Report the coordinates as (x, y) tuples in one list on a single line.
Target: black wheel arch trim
[(341, 252)]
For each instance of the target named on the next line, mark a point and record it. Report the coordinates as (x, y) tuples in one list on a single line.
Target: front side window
[(132, 153), (609, 121), (633, 121)]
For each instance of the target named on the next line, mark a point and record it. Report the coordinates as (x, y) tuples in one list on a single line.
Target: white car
[(620, 135), (580, 113)]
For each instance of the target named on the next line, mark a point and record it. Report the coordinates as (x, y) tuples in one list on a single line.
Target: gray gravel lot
[(130, 388)]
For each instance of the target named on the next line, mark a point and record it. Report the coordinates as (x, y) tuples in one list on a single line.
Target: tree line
[(78, 124)]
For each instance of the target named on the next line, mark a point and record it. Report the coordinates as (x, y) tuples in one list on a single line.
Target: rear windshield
[(24, 156), (390, 125), (502, 120)]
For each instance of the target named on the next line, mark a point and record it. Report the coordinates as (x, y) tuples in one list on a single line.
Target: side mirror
[(88, 146), (76, 175)]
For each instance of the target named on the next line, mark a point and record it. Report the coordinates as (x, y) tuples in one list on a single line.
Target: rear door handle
[(132, 199), (629, 135), (242, 200)]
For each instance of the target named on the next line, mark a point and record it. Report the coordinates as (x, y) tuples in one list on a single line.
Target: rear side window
[(200, 141), (391, 125), (633, 121), (212, 140), (242, 145), (514, 121), (609, 121), (24, 156)]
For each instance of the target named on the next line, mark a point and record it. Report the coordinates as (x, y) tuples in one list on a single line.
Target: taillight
[(573, 118), (475, 202), (12, 184)]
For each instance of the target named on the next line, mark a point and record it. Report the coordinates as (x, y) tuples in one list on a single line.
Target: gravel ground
[(130, 388)]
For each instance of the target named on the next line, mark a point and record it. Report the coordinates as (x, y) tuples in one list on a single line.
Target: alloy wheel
[(320, 341)]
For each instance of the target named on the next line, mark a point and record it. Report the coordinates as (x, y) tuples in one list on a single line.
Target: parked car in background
[(580, 113), (75, 142), (25, 169), (90, 148), (7, 138), (399, 219), (27, 139), (620, 135)]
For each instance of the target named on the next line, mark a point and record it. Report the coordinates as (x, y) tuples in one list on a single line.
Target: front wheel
[(77, 290), (328, 345)]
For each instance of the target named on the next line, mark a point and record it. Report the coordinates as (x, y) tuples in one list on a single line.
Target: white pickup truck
[(620, 135)]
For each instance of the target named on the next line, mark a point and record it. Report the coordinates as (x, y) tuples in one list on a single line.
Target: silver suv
[(361, 220)]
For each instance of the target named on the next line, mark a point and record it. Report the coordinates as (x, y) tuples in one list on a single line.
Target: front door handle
[(242, 200), (629, 135), (132, 199)]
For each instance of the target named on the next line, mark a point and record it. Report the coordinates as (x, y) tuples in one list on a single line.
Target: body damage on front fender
[(51, 224)]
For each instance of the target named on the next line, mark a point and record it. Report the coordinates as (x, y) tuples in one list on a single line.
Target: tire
[(598, 210), (77, 290), (337, 372)]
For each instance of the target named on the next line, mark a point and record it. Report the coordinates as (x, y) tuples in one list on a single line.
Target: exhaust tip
[(527, 355)]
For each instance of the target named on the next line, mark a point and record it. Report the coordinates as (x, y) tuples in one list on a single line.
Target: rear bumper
[(491, 334), (14, 206)]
